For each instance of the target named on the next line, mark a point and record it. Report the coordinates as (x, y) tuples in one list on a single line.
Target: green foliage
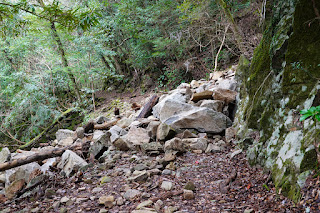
[(313, 112)]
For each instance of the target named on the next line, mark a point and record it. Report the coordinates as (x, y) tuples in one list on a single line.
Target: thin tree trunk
[(234, 26), (64, 59)]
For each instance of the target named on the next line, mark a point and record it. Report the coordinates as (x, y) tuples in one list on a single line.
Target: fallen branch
[(36, 157), (147, 108), (107, 125)]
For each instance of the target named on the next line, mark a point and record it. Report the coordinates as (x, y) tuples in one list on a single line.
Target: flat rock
[(166, 185), (202, 95), (196, 143), (139, 176), (164, 132), (215, 105), (131, 193), (213, 148), (137, 136), (14, 187), (202, 119), (175, 144), (64, 133), (225, 95)]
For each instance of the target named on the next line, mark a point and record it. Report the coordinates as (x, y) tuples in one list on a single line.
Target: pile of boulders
[(194, 117)]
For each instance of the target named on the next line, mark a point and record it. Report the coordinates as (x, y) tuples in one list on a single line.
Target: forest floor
[(249, 189)]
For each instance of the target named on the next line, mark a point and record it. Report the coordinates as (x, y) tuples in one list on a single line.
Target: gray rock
[(64, 133), (140, 167), (230, 134), (164, 132), (215, 105), (188, 194), (233, 154), (139, 176), (114, 133), (121, 144), (170, 156), (188, 134), (201, 119), (124, 122), (80, 132), (172, 107), (196, 143), (152, 147), (65, 141), (166, 185), (152, 129), (5, 155), (213, 148), (175, 144), (166, 172), (131, 193), (101, 119), (99, 141), (180, 95), (70, 162), (229, 84), (137, 136)]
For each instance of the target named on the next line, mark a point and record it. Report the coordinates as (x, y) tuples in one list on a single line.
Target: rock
[(120, 201), (229, 84), (154, 172), (166, 172), (179, 95), (197, 151), (225, 95), (96, 190), (144, 211), (216, 75), (107, 201), (194, 84), (65, 142), (70, 162), (131, 193), (14, 187), (152, 129), (215, 105), (248, 211), (105, 179), (196, 143), (64, 133), (139, 176), (166, 185), (158, 205), (121, 144), (144, 204), (152, 148), (230, 134), (124, 122), (213, 148), (170, 209), (164, 132), (101, 119), (49, 162), (114, 133), (64, 199), (140, 167), (99, 142), (173, 107), (80, 132), (137, 136), (202, 95), (175, 144), (188, 194), (170, 156), (5, 155), (188, 134), (233, 154), (200, 118), (190, 186)]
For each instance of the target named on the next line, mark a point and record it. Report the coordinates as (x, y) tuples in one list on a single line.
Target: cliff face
[(282, 79)]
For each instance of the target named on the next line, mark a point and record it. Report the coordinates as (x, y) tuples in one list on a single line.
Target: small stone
[(56, 205), (107, 201), (131, 193), (170, 209), (140, 167), (64, 199), (105, 179), (166, 172), (166, 185), (233, 154), (97, 190), (82, 189), (139, 176), (37, 209), (144, 204), (158, 205), (170, 156), (190, 186), (212, 148), (120, 201), (230, 134), (248, 211), (103, 211), (197, 151), (63, 210), (188, 194)]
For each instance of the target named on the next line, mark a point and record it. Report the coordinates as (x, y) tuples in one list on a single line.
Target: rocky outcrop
[(283, 79)]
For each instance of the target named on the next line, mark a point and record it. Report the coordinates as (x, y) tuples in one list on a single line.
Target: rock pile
[(194, 117)]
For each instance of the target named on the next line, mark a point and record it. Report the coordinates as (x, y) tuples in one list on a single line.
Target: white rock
[(70, 161), (166, 185)]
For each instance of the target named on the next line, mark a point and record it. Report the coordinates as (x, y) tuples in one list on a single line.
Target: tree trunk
[(234, 26), (64, 59)]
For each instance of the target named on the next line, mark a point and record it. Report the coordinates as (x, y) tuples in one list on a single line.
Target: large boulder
[(179, 95), (172, 107), (71, 162), (225, 95), (200, 118), (215, 105)]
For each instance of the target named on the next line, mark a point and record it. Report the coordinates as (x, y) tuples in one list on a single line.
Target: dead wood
[(107, 125), (36, 157), (147, 108)]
